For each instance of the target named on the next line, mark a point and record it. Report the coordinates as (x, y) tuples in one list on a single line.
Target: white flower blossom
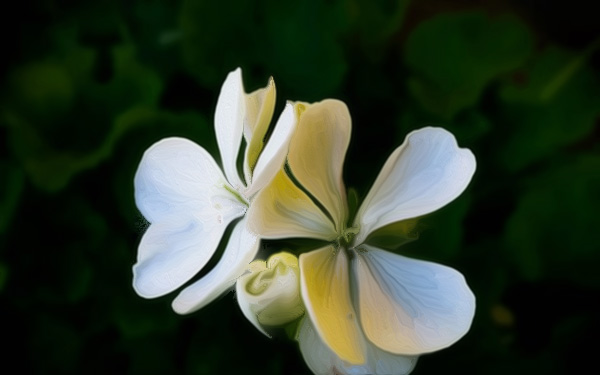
[(189, 202), (368, 310)]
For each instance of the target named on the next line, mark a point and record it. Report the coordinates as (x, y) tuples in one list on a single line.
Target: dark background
[(88, 86)]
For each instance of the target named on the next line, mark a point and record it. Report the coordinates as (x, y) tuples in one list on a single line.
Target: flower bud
[(270, 294)]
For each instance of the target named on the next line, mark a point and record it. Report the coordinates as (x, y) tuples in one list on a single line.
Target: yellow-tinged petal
[(282, 210), (325, 288), (321, 360), (260, 105), (317, 152), (274, 153)]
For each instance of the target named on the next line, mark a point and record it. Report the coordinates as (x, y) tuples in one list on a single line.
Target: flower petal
[(325, 287), (260, 105), (171, 252), (410, 306), (229, 124), (321, 360), (424, 174), (282, 210), (176, 176), (317, 151), (180, 190), (273, 155), (240, 251)]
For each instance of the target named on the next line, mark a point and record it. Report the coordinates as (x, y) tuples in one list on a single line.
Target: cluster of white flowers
[(360, 309)]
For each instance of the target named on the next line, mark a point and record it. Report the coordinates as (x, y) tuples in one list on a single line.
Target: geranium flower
[(189, 202), (371, 308)]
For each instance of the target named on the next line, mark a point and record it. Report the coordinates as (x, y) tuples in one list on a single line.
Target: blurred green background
[(87, 86)]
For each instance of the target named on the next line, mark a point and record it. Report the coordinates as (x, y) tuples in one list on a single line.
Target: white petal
[(274, 153), (270, 294), (424, 174), (325, 287), (260, 105), (282, 210), (317, 152), (321, 360), (240, 251), (410, 306), (181, 191), (176, 176), (229, 124), (171, 252)]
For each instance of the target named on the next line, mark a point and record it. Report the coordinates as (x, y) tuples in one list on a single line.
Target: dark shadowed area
[(87, 86)]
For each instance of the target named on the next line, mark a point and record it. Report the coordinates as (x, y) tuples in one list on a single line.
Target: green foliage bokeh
[(88, 86)]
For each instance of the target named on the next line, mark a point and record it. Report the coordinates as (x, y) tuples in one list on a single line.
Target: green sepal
[(394, 235)]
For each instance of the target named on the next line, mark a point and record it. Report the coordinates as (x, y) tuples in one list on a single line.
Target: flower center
[(345, 239)]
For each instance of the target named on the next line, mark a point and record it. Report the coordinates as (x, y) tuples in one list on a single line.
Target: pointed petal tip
[(229, 114)]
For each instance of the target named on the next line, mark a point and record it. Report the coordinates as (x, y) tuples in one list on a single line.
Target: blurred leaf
[(469, 126), (441, 233), (557, 105), (10, 192), (281, 38), (154, 26), (50, 169), (377, 22), (131, 84), (217, 38), (61, 119), (455, 56), (306, 34), (43, 88), (553, 233)]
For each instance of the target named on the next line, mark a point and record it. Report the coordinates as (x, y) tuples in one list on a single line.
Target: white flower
[(372, 309), (189, 203)]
